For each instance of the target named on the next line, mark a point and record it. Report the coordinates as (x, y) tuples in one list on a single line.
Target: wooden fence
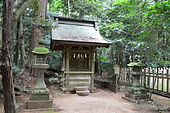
[(155, 80)]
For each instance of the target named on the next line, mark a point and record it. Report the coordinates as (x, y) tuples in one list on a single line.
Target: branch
[(141, 18), (20, 8)]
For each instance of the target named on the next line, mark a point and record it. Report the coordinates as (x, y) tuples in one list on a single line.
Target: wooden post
[(167, 76), (157, 78), (67, 65), (148, 84), (162, 79), (144, 78), (67, 59), (153, 78), (64, 68), (92, 63)]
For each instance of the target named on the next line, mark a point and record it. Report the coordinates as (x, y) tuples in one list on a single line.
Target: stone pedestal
[(40, 98), (40, 104), (136, 92)]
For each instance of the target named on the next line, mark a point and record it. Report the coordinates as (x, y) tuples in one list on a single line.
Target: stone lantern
[(40, 98), (136, 91)]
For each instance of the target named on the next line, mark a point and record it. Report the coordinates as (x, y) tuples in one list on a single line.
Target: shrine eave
[(69, 31), (60, 45)]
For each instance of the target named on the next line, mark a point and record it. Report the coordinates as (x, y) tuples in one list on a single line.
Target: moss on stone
[(140, 64), (41, 41), (40, 51)]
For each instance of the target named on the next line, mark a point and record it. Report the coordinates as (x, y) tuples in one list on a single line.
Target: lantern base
[(135, 98), (40, 104)]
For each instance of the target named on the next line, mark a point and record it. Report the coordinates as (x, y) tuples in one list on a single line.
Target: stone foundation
[(40, 104), (135, 98)]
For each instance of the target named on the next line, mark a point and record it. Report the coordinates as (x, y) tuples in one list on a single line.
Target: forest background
[(135, 27)]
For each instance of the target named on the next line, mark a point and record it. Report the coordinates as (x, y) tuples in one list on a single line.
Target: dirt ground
[(103, 101)]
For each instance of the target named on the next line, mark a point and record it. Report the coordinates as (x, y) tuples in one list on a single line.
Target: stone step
[(77, 80), (78, 77), (83, 93), (77, 84), (81, 88)]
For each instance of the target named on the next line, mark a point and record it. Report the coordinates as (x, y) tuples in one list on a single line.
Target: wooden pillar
[(64, 67), (92, 67), (67, 65)]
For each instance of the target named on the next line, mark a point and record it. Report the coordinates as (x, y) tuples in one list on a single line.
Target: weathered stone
[(83, 93), (40, 91), (40, 98), (40, 104), (136, 91), (137, 97), (83, 88), (40, 66)]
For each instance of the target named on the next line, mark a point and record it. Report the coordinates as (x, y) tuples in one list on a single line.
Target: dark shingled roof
[(79, 31)]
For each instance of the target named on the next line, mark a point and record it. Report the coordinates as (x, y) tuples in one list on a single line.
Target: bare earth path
[(101, 102)]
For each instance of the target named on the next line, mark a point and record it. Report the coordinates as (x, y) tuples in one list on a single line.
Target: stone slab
[(41, 104), (39, 97), (135, 101), (83, 88), (137, 97)]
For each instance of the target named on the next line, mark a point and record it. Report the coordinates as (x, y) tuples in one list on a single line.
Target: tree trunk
[(22, 48), (16, 52), (16, 49), (38, 32), (6, 67)]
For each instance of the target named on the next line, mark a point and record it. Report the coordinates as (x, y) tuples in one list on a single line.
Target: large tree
[(6, 67)]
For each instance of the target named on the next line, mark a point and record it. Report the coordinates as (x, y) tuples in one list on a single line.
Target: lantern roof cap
[(138, 64), (40, 51)]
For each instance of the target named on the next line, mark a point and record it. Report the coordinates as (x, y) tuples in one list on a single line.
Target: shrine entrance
[(78, 40)]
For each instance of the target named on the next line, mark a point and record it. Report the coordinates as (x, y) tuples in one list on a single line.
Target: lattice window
[(80, 61)]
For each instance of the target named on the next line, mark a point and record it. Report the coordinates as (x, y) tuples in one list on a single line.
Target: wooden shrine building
[(78, 39)]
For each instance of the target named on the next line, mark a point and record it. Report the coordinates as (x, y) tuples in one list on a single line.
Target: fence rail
[(156, 80)]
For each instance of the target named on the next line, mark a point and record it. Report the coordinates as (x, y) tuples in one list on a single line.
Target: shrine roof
[(77, 31)]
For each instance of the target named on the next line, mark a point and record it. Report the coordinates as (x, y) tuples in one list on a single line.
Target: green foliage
[(41, 41), (56, 5), (138, 28), (102, 58), (165, 63), (36, 5), (55, 59), (43, 23), (56, 79), (135, 27), (88, 8)]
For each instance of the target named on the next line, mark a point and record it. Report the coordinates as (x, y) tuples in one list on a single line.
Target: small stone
[(83, 93)]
